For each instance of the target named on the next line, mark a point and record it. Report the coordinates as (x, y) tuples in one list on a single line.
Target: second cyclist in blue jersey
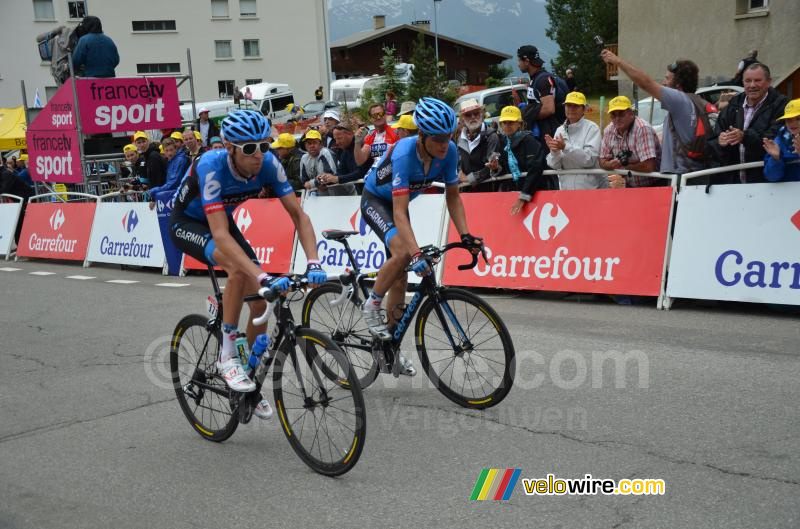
[(408, 168)]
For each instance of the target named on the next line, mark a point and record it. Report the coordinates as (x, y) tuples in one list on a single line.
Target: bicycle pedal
[(377, 353)]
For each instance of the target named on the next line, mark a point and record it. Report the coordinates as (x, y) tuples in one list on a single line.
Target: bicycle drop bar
[(434, 252)]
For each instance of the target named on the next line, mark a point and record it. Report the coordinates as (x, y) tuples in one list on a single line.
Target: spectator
[(22, 170), (782, 161), (477, 144), (208, 129), (679, 152), (405, 127), (216, 143), (570, 80), (192, 144), (523, 157), (629, 144), (130, 166), (347, 170), (407, 108), (749, 118), (285, 148), (12, 184), (177, 164), (178, 137), (151, 163), (374, 144), (318, 165), (96, 54), (576, 145), (237, 96), (330, 118), (542, 114), (744, 64), (319, 94), (391, 105)]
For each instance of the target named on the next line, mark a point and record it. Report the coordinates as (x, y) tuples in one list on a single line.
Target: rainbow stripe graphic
[(496, 484)]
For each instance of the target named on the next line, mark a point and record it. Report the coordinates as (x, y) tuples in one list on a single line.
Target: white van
[(271, 99), (494, 99), (216, 109), (350, 92)]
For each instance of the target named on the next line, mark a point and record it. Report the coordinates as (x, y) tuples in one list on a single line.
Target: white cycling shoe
[(263, 410), (406, 366), (232, 372)]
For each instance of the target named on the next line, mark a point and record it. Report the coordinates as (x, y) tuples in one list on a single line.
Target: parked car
[(313, 109), (494, 99), (652, 112)]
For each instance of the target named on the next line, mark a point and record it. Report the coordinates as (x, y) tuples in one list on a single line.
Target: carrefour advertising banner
[(737, 243), (9, 214), (128, 104), (344, 213), (53, 230), (126, 233), (608, 241)]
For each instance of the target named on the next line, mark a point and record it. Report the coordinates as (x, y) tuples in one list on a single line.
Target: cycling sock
[(374, 301), (229, 333)]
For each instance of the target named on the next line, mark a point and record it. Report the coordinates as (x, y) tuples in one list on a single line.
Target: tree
[(573, 26), (391, 82), (425, 81), (497, 72)]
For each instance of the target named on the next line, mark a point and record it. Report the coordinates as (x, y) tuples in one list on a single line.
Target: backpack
[(698, 148)]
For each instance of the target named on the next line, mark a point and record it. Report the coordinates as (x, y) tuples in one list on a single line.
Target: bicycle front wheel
[(322, 416), (465, 349), (202, 393)]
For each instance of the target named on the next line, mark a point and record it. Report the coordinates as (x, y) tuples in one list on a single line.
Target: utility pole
[(436, 32)]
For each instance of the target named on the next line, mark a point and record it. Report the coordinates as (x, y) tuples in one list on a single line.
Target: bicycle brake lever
[(264, 318), (339, 300)]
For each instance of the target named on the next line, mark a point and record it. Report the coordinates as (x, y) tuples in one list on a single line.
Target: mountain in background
[(502, 25)]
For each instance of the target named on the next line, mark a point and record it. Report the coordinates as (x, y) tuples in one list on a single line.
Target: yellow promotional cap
[(792, 109), (575, 98), (510, 113), (313, 135), (405, 122), (140, 134), (285, 141), (129, 147), (619, 103)]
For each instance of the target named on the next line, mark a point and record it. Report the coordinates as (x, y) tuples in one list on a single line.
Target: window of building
[(219, 9), (153, 25), (43, 10), (252, 81), (247, 8), (251, 48), (159, 67), (460, 50), (76, 9), (225, 89), (222, 49), (757, 5)]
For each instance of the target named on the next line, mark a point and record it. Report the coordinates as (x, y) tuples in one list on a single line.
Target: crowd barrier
[(57, 230), (10, 207)]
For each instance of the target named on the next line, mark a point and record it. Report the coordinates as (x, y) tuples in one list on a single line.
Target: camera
[(624, 157), (599, 41)]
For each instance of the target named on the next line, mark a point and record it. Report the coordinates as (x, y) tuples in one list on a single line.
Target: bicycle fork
[(442, 309)]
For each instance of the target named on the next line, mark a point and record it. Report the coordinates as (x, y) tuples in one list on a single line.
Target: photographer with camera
[(629, 144)]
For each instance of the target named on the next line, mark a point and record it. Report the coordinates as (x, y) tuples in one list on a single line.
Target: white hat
[(202, 109), (331, 114), (469, 105)]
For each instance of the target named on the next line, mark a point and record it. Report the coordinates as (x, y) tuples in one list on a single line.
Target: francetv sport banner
[(54, 230), (608, 241), (128, 104), (344, 213), (126, 233), (54, 154), (737, 243)]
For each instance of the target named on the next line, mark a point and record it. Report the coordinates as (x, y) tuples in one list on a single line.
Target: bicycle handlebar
[(271, 295), (435, 252)]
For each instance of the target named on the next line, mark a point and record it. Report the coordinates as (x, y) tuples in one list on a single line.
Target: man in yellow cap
[(178, 137), (405, 127), (576, 145), (629, 144), (477, 144), (151, 166), (782, 161), (523, 157), (289, 155), (317, 165)]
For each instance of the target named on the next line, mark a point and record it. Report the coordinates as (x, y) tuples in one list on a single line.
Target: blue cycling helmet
[(434, 117), (245, 125)]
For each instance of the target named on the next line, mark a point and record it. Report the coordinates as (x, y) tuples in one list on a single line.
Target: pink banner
[(54, 156), (58, 113), (128, 104)]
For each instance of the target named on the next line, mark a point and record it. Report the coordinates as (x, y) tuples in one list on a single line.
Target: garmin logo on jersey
[(212, 188), (130, 220), (376, 218)]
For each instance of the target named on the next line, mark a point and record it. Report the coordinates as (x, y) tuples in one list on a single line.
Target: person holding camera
[(629, 144)]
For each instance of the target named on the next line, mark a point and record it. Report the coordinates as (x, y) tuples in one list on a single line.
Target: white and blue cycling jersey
[(400, 171), (213, 185)]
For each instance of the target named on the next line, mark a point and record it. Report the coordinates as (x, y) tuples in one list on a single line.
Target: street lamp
[(436, 32)]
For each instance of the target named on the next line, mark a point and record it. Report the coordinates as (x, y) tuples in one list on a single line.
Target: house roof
[(365, 36)]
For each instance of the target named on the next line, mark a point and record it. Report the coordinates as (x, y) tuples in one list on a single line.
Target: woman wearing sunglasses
[(408, 168), (202, 227)]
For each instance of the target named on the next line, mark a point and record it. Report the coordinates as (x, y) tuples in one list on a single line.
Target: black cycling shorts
[(193, 237), (378, 215)]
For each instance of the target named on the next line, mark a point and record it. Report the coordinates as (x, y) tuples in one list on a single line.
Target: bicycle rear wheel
[(323, 419), (202, 393), (345, 325), (465, 349)]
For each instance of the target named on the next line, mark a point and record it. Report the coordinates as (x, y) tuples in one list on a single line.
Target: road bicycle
[(463, 345), (322, 415)]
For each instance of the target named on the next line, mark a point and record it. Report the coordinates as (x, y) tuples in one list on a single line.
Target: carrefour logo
[(243, 219), (547, 221), (57, 219), (357, 220), (130, 220)]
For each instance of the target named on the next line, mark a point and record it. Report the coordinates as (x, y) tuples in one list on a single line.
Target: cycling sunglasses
[(249, 149), (439, 138)]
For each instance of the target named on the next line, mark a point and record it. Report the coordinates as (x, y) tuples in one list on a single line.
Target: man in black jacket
[(13, 185), (150, 160), (743, 124), (543, 114), (347, 170), (476, 143)]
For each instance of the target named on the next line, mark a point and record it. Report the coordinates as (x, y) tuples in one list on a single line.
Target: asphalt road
[(91, 436)]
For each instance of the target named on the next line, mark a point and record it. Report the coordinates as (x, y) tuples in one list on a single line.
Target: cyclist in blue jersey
[(202, 227), (408, 168)]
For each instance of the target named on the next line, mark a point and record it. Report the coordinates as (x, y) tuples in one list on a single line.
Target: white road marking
[(122, 281), (173, 285), (82, 278), (42, 273), (9, 269)]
